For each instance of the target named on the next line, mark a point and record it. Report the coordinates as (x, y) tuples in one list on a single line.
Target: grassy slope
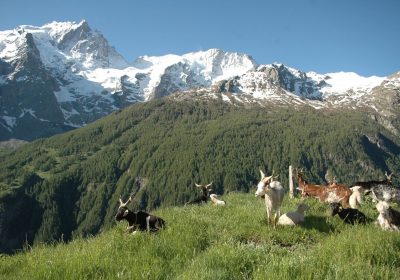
[(208, 242), (69, 185)]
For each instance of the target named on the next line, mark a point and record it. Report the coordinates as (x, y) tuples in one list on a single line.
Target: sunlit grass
[(232, 242)]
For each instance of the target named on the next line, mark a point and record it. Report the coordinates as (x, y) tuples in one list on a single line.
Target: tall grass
[(208, 242)]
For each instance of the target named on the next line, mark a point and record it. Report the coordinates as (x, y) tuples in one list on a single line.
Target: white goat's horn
[(209, 185), (197, 185), (121, 204), (262, 174)]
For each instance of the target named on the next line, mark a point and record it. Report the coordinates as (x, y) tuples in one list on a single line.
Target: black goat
[(138, 220), (203, 198), (348, 215)]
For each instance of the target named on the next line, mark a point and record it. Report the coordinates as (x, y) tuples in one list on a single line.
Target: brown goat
[(326, 194), (316, 191)]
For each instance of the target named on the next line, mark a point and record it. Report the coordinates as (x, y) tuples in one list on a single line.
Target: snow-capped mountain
[(65, 75)]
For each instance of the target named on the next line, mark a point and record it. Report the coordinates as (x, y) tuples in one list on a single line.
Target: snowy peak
[(171, 73), (279, 81), (218, 64), (75, 42), (72, 69)]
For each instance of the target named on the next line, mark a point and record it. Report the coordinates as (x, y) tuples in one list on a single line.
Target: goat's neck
[(131, 217)]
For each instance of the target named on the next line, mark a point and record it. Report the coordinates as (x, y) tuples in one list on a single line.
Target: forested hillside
[(69, 185)]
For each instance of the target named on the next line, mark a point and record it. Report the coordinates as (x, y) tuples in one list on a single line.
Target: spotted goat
[(326, 194), (138, 221)]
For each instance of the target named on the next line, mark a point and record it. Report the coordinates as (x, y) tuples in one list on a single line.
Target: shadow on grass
[(317, 222)]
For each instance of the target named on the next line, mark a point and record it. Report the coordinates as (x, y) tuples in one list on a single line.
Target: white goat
[(355, 198), (295, 217), (273, 192), (388, 219), (216, 201)]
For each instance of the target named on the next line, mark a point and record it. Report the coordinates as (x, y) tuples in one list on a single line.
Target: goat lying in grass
[(138, 220), (216, 201), (204, 194), (355, 198), (273, 194), (348, 215), (388, 219), (295, 217)]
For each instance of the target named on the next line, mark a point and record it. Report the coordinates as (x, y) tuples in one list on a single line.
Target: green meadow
[(210, 242)]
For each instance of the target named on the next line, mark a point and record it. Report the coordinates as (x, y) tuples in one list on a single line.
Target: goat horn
[(262, 174), (388, 176), (124, 204), (197, 185), (209, 185), (266, 179)]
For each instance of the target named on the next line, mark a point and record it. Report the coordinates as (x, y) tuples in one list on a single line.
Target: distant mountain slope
[(69, 184), (65, 75)]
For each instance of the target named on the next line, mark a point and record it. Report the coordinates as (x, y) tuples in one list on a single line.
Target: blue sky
[(361, 36)]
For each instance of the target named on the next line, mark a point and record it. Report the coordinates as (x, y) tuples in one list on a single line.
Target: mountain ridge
[(85, 79)]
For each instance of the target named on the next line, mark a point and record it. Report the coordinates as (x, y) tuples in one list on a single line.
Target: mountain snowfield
[(83, 78)]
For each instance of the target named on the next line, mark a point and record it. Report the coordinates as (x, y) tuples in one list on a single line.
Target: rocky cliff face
[(65, 75)]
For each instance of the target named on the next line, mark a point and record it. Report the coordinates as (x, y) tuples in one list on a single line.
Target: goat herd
[(343, 202)]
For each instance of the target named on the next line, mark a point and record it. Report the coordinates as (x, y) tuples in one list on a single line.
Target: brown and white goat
[(204, 194), (326, 194), (216, 201), (311, 190), (138, 220), (273, 193)]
